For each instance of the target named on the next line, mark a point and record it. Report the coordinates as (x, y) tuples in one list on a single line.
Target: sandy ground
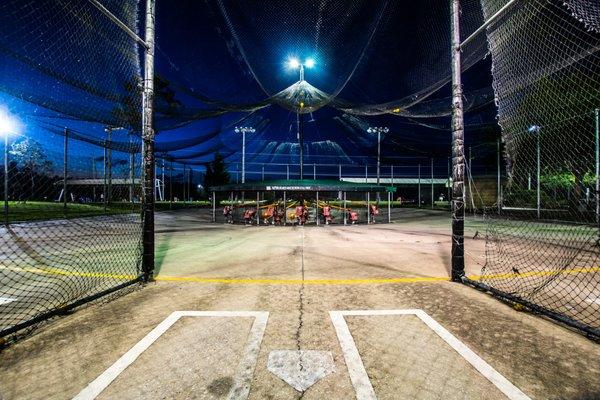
[(298, 275)]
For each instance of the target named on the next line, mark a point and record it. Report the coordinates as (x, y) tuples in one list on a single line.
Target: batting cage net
[(71, 228), (543, 246)]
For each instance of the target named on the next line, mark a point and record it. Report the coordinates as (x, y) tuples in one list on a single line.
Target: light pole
[(378, 130), (294, 63), (536, 130), (243, 130)]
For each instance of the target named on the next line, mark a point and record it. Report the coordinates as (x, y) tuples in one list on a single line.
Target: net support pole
[(340, 171), (432, 190), (314, 172), (392, 174), (148, 146), (214, 207), (419, 186), (389, 206), (317, 209), (6, 190), (345, 210), (368, 208), (284, 207), (65, 169), (498, 183), (597, 137), (257, 208), (458, 149), (109, 168), (538, 173), (287, 171), (104, 184)]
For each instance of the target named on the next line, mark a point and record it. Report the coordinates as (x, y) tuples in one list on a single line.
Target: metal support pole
[(104, 183), (345, 210), (368, 208), (243, 156), (262, 173), (366, 173), (132, 168), (6, 190), (314, 172), (214, 207), (109, 168), (340, 171), (538, 173), (389, 207), (171, 186), (94, 177), (317, 209), (284, 208), (499, 183), (148, 146), (65, 169), (597, 117), (378, 154), (392, 174), (288, 172), (432, 192), (301, 143), (419, 186), (257, 208), (458, 150)]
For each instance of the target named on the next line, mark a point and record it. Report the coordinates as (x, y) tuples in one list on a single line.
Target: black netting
[(543, 245)]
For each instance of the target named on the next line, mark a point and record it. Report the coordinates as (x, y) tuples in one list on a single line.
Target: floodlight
[(7, 123), (309, 63), (533, 129), (293, 63)]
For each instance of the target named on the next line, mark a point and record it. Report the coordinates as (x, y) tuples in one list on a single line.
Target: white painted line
[(241, 385), (357, 370), (6, 300)]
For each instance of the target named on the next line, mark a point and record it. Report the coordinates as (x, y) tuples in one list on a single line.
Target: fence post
[(366, 173), (389, 206), (317, 209), (314, 172), (419, 186), (458, 150), (499, 183), (109, 168), (148, 146), (214, 207), (132, 168), (392, 173), (287, 171), (597, 118), (345, 210), (340, 171), (432, 192), (65, 169), (104, 181), (6, 179)]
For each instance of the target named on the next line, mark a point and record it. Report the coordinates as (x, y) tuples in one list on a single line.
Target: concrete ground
[(298, 275)]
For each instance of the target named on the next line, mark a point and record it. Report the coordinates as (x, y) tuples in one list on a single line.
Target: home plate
[(301, 368)]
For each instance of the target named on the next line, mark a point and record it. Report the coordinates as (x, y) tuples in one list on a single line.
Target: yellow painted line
[(572, 271), (298, 281), (269, 281)]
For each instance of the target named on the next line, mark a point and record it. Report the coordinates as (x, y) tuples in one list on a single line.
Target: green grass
[(46, 210)]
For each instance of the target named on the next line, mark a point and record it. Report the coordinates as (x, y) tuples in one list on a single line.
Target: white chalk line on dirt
[(245, 370), (358, 374)]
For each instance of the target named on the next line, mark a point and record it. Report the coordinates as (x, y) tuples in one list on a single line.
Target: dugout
[(343, 198)]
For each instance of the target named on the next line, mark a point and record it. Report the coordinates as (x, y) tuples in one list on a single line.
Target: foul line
[(241, 386), (274, 281), (358, 374)]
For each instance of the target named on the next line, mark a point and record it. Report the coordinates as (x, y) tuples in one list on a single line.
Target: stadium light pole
[(295, 64), (535, 129), (378, 130), (243, 130)]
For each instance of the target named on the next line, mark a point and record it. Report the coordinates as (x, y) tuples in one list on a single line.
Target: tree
[(216, 172), (30, 157)]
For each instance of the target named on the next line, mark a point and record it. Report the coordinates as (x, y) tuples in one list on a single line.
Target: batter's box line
[(241, 386), (358, 374)]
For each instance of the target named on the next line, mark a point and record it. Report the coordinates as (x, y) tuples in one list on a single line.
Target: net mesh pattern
[(543, 246), (73, 227)]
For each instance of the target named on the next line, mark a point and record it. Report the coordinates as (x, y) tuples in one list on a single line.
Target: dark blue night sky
[(379, 63)]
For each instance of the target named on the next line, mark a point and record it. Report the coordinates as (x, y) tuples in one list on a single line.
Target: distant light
[(309, 63), (8, 124), (534, 129), (293, 63)]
